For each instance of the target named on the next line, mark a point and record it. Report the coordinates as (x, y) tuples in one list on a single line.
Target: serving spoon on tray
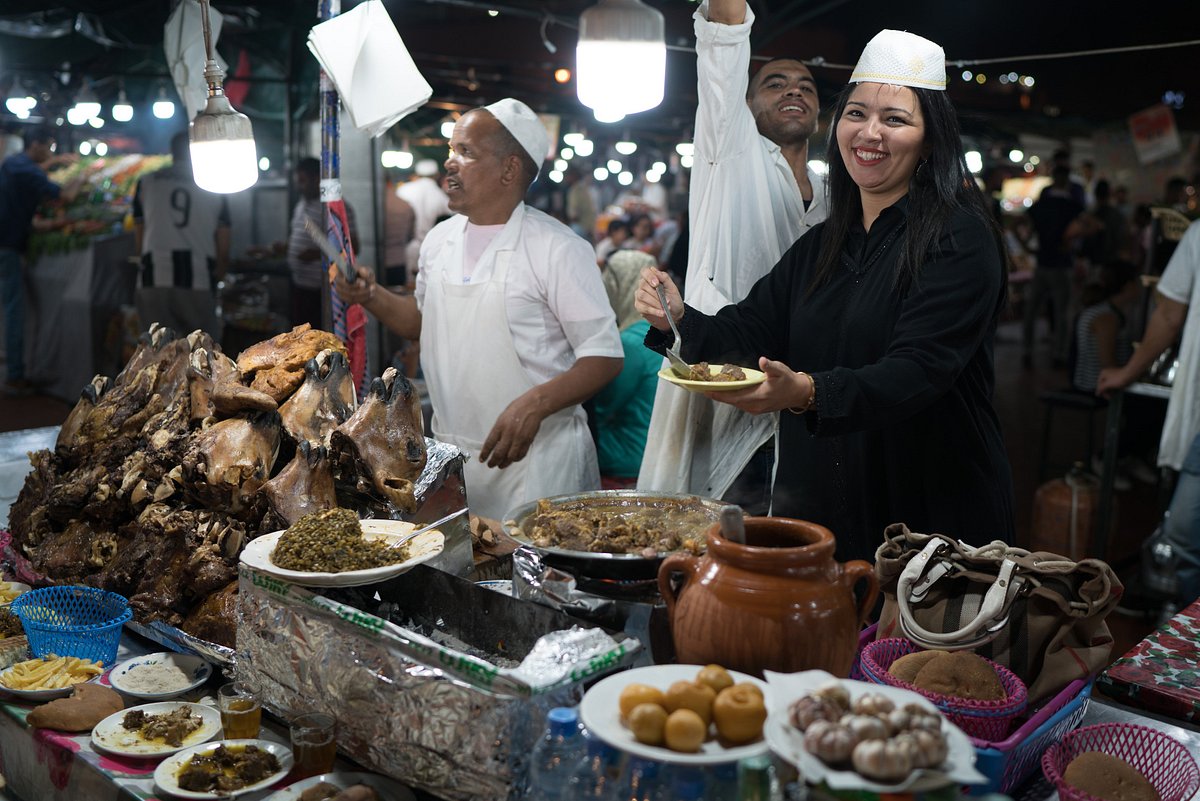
[(412, 535)]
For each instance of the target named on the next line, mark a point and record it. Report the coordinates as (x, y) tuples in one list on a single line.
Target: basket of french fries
[(48, 677), (83, 622)]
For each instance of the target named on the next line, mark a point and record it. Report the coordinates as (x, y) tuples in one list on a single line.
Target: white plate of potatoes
[(601, 713)]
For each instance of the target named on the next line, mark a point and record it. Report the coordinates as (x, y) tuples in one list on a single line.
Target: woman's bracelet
[(812, 397)]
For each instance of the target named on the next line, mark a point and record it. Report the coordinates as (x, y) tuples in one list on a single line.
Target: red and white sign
[(1154, 134)]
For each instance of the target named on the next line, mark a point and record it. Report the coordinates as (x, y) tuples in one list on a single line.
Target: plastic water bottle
[(556, 756), (597, 775), (722, 781), (643, 781), (687, 784)]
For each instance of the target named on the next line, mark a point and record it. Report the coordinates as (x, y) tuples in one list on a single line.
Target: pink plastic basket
[(1165, 763), (985, 720)]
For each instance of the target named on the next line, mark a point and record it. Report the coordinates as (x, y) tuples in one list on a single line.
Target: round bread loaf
[(906, 667), (1108, 777), (961, 674)]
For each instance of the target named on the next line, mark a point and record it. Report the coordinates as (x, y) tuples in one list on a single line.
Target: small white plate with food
[(721, 377), (195, 773), (258, 556), (47, 678), (156, 730), (610, 711), (327, 785), (9, 590), (157, 677)]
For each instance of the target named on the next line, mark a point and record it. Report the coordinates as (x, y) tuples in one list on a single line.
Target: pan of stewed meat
[(617, 533)]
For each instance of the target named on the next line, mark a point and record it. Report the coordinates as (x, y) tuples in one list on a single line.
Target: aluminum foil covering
[(180, 641), (628, 606), (452, 723)]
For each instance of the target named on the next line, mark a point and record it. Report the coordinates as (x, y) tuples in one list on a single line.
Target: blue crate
[(84, 622)]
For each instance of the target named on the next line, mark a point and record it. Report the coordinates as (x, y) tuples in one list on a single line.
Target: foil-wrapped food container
[(433, 680)]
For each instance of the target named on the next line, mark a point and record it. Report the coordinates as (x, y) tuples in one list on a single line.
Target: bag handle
[(993, 612)]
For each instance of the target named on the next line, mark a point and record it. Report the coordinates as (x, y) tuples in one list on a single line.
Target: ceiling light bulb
[(659, 166), (75, 116), (625, 178), (685, 148), (585, 147), (122, 111), (164, 107), (573, 139), (600, 174), (96, 122), (264, 164), (621, 59), (566, 153), (447, 129), (556, 176), (653, 177), (85, 148), (101, 149), (626, 148), (608, 114), (614, 166), (87, 103), (224, 157)]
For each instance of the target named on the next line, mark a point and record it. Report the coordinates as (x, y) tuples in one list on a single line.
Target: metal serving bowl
[(619, 566)]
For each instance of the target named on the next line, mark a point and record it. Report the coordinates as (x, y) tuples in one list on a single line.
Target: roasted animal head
[(304, 486), (323, 402), (228, 461), (380, 451)]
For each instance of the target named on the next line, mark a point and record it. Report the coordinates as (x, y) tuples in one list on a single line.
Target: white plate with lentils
[(257, 555)]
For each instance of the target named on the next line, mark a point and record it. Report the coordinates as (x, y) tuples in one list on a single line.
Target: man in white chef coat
[(752, 196), (516, 330)]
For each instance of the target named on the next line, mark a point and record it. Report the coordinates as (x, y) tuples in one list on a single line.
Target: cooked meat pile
[(612, 527), (10, 625), (331, 541), (171, 727), (729, 372), (225, 769), (160, 476)]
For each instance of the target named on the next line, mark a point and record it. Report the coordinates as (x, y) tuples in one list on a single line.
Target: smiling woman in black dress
[(875, 329)]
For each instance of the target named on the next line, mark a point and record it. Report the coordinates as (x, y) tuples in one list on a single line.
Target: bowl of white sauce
[(160, 676)]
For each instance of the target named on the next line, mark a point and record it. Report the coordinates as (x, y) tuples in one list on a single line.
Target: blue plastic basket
[(73, 621)]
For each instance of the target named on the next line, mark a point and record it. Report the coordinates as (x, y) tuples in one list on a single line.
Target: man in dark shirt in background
[(24, 185), (1053, 215)]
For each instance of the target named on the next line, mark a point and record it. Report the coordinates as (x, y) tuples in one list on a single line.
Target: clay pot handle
[(676, 563), (852, 572)]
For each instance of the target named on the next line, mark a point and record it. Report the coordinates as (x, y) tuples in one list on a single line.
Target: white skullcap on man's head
[(524, 125), (426, 168), (903, 59)]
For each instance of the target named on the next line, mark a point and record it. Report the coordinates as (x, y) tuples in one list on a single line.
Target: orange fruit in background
[(685, 731), (715, 676), (739, 713), (691, 695), (648, 723), (635, 694)]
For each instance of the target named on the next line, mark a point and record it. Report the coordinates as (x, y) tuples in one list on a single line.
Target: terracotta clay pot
[(780, 602)]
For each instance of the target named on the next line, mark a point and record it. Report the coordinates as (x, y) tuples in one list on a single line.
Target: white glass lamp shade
[(621, 59), (224, 158), (164, 109)]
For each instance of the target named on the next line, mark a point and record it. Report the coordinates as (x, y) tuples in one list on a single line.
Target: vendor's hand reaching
[(783, 389), (645, 299), (361, 290), (513, 431), (1111, 378)]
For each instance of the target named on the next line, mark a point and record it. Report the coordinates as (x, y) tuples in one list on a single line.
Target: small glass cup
[(314, 746), (241, 712)]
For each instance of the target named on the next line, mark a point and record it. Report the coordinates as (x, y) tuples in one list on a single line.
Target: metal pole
[(331, 184)]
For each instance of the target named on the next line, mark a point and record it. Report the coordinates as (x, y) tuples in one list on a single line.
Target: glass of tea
[(241, 712), (314, 746)]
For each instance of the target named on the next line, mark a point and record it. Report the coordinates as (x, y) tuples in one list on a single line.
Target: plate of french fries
[(9, 590), (48, 677)]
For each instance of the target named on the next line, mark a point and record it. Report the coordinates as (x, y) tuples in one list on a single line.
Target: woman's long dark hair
[(941, 185)]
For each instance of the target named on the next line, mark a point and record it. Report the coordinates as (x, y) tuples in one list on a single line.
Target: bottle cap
[(563, 720)]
